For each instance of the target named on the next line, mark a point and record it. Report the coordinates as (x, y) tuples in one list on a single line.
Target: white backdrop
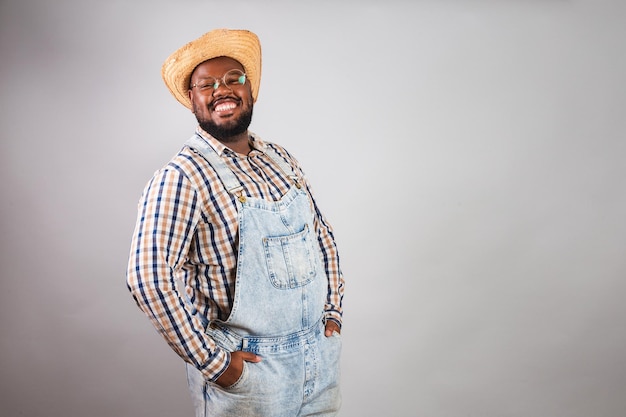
[(470, 155)]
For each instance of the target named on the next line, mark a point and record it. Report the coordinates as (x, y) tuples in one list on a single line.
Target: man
[(231, 258)]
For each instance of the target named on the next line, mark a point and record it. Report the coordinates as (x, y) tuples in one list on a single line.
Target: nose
[(219, 91)]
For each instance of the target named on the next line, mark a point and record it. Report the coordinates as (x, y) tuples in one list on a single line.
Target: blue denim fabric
[(280, 293)]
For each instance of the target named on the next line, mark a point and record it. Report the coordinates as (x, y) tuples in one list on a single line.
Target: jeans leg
[(325, 400)]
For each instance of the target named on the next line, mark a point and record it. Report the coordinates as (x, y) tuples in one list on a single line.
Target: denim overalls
[(277, 313)]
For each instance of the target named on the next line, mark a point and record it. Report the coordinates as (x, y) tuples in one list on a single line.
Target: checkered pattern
[(186, 232)]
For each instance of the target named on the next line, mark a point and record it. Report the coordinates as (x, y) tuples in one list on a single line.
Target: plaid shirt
[(187, 233)]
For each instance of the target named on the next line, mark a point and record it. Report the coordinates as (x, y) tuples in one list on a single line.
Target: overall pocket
[(290, 259)]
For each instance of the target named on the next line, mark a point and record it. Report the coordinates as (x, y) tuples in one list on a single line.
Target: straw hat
[(241, 45)]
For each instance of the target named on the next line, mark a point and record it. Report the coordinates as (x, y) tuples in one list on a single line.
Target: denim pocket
[(290, 259), (241, 380)]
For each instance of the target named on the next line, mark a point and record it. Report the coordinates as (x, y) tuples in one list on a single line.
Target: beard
[(228, 130)]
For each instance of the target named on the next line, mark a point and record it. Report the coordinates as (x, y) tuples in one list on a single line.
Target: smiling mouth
[(224, 106)]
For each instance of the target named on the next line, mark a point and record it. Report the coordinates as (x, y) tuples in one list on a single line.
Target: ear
[(249, 85), (190, 94)]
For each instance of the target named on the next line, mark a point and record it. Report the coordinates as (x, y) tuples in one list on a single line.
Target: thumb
[(250, 357)]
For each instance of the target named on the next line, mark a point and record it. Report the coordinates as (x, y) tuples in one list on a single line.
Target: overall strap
[(231, 183), (285, 167)]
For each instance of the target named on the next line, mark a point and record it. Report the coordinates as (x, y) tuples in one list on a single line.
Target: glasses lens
[(234, 77), (231, 78), (207, 84)]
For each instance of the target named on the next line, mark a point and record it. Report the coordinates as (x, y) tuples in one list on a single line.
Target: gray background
[(470, 155)]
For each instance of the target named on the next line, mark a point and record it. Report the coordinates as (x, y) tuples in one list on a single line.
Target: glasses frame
[(221, 81)]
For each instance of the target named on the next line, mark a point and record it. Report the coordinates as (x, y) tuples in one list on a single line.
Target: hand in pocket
[(235, 368)]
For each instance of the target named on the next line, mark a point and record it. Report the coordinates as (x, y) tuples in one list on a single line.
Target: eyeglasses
[(231, 79)]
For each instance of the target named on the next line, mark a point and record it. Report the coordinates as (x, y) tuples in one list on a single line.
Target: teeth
[(225, 106)]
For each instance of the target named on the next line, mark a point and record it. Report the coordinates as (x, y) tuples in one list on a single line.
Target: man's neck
[(239, 143)]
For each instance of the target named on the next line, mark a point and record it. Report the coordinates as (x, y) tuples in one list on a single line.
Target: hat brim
[(241, 45)]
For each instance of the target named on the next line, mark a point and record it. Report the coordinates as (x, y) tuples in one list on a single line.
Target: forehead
[(216, 67)]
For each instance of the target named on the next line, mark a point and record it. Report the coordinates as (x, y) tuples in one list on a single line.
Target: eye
[(205, 85), (234, 77)]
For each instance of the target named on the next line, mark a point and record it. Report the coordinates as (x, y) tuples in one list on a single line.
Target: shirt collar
[(256, 143)]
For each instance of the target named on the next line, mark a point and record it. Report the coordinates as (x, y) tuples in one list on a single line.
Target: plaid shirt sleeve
[(168, 214), (333, 309)]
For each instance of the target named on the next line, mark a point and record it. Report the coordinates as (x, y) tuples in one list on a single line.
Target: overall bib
[(277, 313)]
